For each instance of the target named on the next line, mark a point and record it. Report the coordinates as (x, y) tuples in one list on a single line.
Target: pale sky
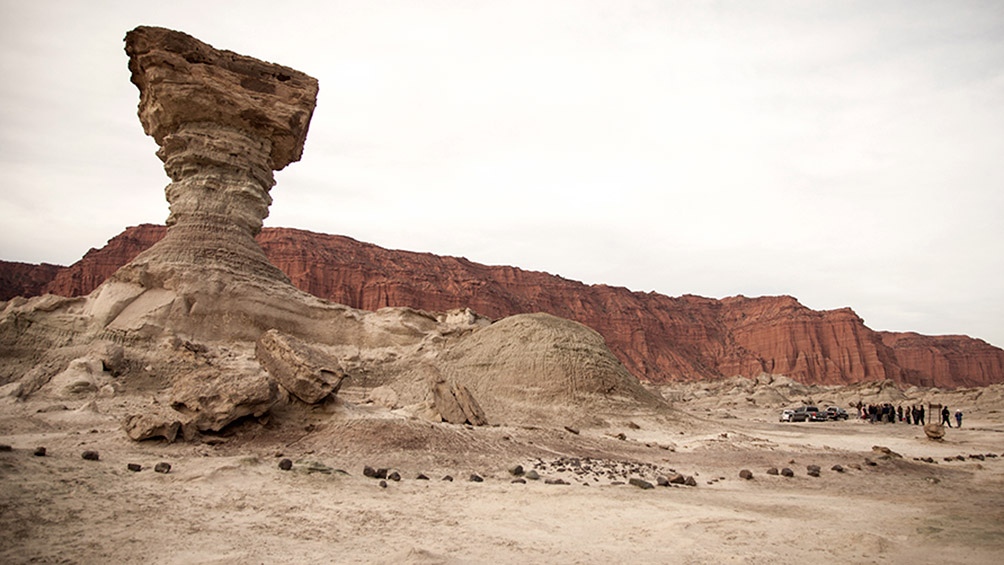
[(845, 153)]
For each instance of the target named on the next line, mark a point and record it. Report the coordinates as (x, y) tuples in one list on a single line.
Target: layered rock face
[(659, 338)]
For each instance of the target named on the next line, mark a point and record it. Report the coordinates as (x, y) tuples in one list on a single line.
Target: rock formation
[(199, 319), (659, 338)]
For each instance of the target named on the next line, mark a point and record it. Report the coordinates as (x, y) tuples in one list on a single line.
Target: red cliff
[(659, 338)]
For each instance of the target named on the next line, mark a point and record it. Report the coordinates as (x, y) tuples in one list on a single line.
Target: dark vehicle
[(805, 413), (836, 413)]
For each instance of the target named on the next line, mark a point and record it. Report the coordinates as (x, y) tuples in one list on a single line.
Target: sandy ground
[(225, 499)]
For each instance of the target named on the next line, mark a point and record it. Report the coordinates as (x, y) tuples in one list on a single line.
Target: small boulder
[(662, 481), (787, 472), (746, 474), (162, 467), (690, 482), (837, 468), (812, 470), (555, 482), (448, 478), (516, 471), (421, 477), (475, 478), (640, 483), (677, 479), (134, 467), (383, 484), (532, 475), (39, 452), (286, 464), (772, 471), (394, 476), (90, 455)]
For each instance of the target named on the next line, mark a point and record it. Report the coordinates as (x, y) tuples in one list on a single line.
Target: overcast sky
[(845, 153)]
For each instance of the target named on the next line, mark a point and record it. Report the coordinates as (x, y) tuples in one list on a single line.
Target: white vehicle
[(786, 416)]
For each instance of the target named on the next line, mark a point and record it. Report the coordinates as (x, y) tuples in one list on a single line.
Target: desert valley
[(212, 391)]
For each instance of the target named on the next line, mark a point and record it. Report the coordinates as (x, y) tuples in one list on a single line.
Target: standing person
[(945, 417), (921, 420), (909, 414), (958, 418), (899, 413)]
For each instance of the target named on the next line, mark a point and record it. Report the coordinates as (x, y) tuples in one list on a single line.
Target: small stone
[(90, 455), (394, 476), (812, 470), (662, 481), (772, 471), (286, 464), (837, 468), (421, 477), (39, 452), (677, 479), (690, 482), (475, 478), (571, 430), (520, 481), (5, 447), (746, 474), (162, 467), (555, 482), (516, 471), (532, 475), (787, 472), (369, 472), (381, 474), (134, 467), (448, 478), (383, 484), (870, 463), (640, 483)]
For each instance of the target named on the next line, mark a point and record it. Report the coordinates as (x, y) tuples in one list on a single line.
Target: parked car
[(836, 413), (786, 416), (805, 413)]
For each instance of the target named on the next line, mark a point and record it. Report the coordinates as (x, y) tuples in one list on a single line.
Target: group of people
[(887, 413)]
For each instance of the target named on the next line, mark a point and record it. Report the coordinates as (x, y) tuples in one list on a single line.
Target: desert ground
[(900, 497)]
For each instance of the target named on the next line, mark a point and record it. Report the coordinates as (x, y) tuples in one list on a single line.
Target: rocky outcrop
[(25, 279), (180, 320), (659, 338)]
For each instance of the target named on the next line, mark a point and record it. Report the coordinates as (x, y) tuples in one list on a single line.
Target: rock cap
[(183, 80)]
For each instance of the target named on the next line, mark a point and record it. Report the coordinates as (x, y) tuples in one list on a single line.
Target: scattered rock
[(787, 472), (421, 477), (369, 472), (5, 447), (475, 478), (90, 455), (134, 467), (519, 481), (532, 475), (448, 478), (838, 468), (934, 431), (555, 482), (812, 470), (572, 430), (286, 464), (746, 474), (662, 481), (306, 372), (516, 471), (640, 483), (885, 452), (383, 484), (394, 476), (211, 401), (162, 467), (772, 471), (870, 463), (456, 404), (153, 422), (690, 482), (311, 467)]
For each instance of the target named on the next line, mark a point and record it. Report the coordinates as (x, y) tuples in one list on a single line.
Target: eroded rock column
[(224, 123)]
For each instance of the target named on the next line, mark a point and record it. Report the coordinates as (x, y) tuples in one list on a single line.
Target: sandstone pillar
[(223, 122)]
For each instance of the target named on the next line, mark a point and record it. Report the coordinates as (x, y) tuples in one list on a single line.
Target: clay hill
[(659, 338)]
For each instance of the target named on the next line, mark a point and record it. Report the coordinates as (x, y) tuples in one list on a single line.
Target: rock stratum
[(658, 338)]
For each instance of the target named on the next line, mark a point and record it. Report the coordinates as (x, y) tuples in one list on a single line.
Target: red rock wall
[(659, 338), (25, 279)]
